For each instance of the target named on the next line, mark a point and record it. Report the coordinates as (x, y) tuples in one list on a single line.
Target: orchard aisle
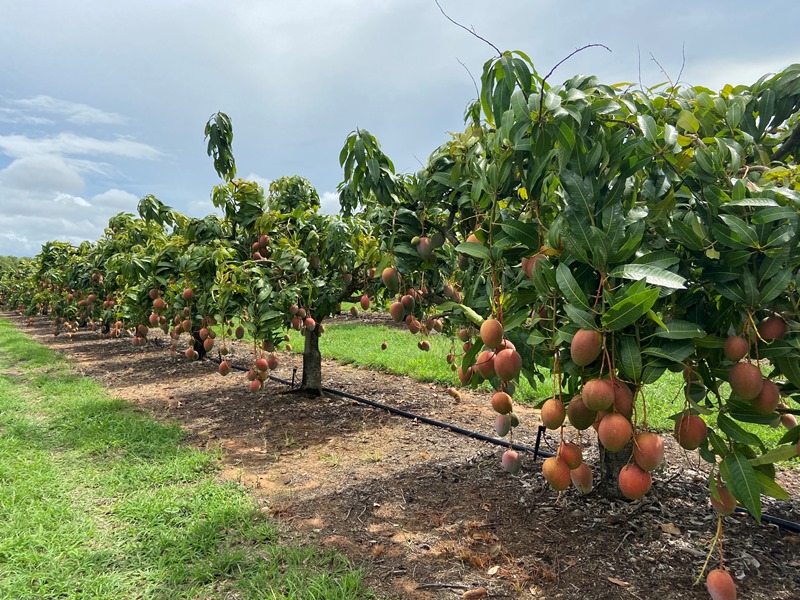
[(428, 513), (101, 502)]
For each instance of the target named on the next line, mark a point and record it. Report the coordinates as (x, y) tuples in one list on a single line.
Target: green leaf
[(742, 231), (688, 122), (580, 317), (750, 288), (772, 212), (731, 291), (570, 288), (474, 249), (775, 286), (629, 310), (630, 357), (578, 239), (778, 454), (769, 487), (649, 127), (471, 315), (672, 351), (580, 192), (514, 320), (661, 258), (651, 274), (735, 431), (526, 234), (717, 443), (681, 330), (734, 114), (740, 477), (790, 368)]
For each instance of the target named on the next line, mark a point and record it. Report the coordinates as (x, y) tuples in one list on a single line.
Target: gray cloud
[(43, 173), (119, 92)]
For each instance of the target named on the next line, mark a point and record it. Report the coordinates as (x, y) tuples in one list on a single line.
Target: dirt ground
[(427, 513)]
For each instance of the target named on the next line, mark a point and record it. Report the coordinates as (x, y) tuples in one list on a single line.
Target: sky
[(104, 101)]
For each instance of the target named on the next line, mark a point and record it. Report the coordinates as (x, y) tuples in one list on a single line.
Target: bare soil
[(430, 514)]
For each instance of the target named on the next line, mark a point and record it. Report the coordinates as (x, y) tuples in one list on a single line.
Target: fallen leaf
[(479, 592), (493, 570), (619, 582), (670, 528)]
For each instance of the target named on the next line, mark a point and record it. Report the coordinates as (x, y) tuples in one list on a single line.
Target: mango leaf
[(651, 274), (661, 258), (741, 480), (744, 232), (750, 288), (778, 454), (526, 234), (629, 310), (649, 128), (630, 357), (570, 288), (735, 431), (792, 436), (772, 212), (790, 368), (769, 487), (681, 330), (688, 122), (672, 351), (514, 320), (717, 443), (580, 317), (576, 240), (580, 192), (471, 314), (775, 286), (473, 249), (731, 291)]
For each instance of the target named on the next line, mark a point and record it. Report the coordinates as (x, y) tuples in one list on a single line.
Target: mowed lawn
[(99, 501)]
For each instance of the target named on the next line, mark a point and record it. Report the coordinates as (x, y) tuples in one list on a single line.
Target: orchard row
[(588, 237)]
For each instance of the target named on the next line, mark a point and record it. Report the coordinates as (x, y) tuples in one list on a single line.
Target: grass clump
[(100, 502)]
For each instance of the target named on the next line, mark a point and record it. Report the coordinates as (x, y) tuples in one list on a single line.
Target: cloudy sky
[(104, 101)]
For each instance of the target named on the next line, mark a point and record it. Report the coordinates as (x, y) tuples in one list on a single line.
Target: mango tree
[(297, 266), (619, 234)]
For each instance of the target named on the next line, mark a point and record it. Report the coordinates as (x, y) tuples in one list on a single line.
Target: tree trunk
[(312, 364), (611, 464), (198, 345)]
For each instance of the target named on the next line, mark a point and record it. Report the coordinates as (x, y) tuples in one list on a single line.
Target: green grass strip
[(99, 501)]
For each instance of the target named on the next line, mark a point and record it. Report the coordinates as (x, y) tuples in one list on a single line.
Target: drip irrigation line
[(782, 523), (535, 451)]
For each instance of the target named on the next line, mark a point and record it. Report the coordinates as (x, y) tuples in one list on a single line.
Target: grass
[(360, 344), (99, 502)]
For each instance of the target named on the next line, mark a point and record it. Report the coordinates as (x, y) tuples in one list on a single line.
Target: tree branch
[(467, 29), (789, 145), (558, 64)]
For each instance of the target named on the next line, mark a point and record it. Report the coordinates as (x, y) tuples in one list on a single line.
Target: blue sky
[(103, 102)]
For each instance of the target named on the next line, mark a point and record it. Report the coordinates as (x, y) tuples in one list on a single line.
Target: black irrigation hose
[(782, 523), (409, 415)]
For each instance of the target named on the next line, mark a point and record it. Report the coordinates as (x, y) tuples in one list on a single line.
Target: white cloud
[(18, 146), (262, 181), (73, 112), (116, 200), (329, 203), (17, 117)]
